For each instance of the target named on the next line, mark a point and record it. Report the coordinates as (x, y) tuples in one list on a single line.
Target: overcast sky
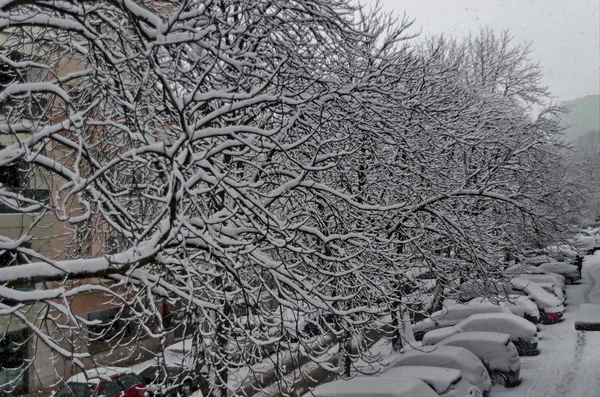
[(565, 33)]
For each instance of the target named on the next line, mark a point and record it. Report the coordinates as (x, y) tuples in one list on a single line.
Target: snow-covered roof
[(375, 387), (439, 379)]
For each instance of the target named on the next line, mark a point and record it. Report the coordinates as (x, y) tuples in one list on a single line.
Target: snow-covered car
[(552, 278), (169, 380), (471, 368), (447, 382), (103, 382), (496, 352), (538, 260), (550, 307), (515, 270), (554, 290), (563, 251), (568, 271), (584, 242), (522, 333), (518, 305), (374, 387), (452, 315)]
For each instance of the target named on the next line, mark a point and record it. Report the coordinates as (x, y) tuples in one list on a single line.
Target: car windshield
[(76, 389)]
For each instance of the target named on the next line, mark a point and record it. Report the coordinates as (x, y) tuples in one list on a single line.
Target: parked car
[(546, 278), (522, 333), (169, 381), (550, 307), (517, 270), (496, 352), (568, 271), (538, 260), (563, 251), (554, 290), (447, 382), (374, 387), (241, 351), (454, 357), (103, 382), (452, 315), (518, 305), (584, 242)]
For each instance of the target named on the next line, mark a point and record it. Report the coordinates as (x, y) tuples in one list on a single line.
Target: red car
[(104, 382)]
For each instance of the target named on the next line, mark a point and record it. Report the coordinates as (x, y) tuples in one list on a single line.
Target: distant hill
[(584, 116)]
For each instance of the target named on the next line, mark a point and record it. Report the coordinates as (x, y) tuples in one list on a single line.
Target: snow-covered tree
[(270, 170)]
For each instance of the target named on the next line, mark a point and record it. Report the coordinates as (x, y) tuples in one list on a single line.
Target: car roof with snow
[(536, 292), (558, 266), (507, 321), (470, 336), (459, 358), (439, 379), (516, 269), (95, 374), (374, 387)]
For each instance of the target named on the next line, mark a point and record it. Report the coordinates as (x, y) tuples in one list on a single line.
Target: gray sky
[(565, 33)]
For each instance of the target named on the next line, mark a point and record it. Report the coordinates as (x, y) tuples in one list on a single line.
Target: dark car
[(169, 381), (103, 382)]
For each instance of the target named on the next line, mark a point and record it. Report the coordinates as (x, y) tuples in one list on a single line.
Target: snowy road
[(569, 362)]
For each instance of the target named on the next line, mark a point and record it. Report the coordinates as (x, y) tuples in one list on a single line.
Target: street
[(569, 361)]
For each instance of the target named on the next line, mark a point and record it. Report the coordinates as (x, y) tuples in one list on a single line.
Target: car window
[(129, 380), (109, 389), (153, 374), (76, 389)]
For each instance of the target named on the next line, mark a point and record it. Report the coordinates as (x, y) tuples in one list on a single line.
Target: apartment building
[(26, 362)]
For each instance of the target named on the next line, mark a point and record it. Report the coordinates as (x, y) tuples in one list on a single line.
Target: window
[(13, 362), (112, 324), (129, 380), (109, 389), (10, 258), (117, 244), (14, 179)]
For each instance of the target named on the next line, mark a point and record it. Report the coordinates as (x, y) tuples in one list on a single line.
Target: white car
[(550, 307), (546, 278), (563, 251), (554, 290), (568, 271), (496, 352), (538, 260), (374, 387), (458, 358), (522, 333), (447, 382), (452, 315), (518, 305)]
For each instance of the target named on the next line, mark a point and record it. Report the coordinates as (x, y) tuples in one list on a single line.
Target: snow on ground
[(568, 363)]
